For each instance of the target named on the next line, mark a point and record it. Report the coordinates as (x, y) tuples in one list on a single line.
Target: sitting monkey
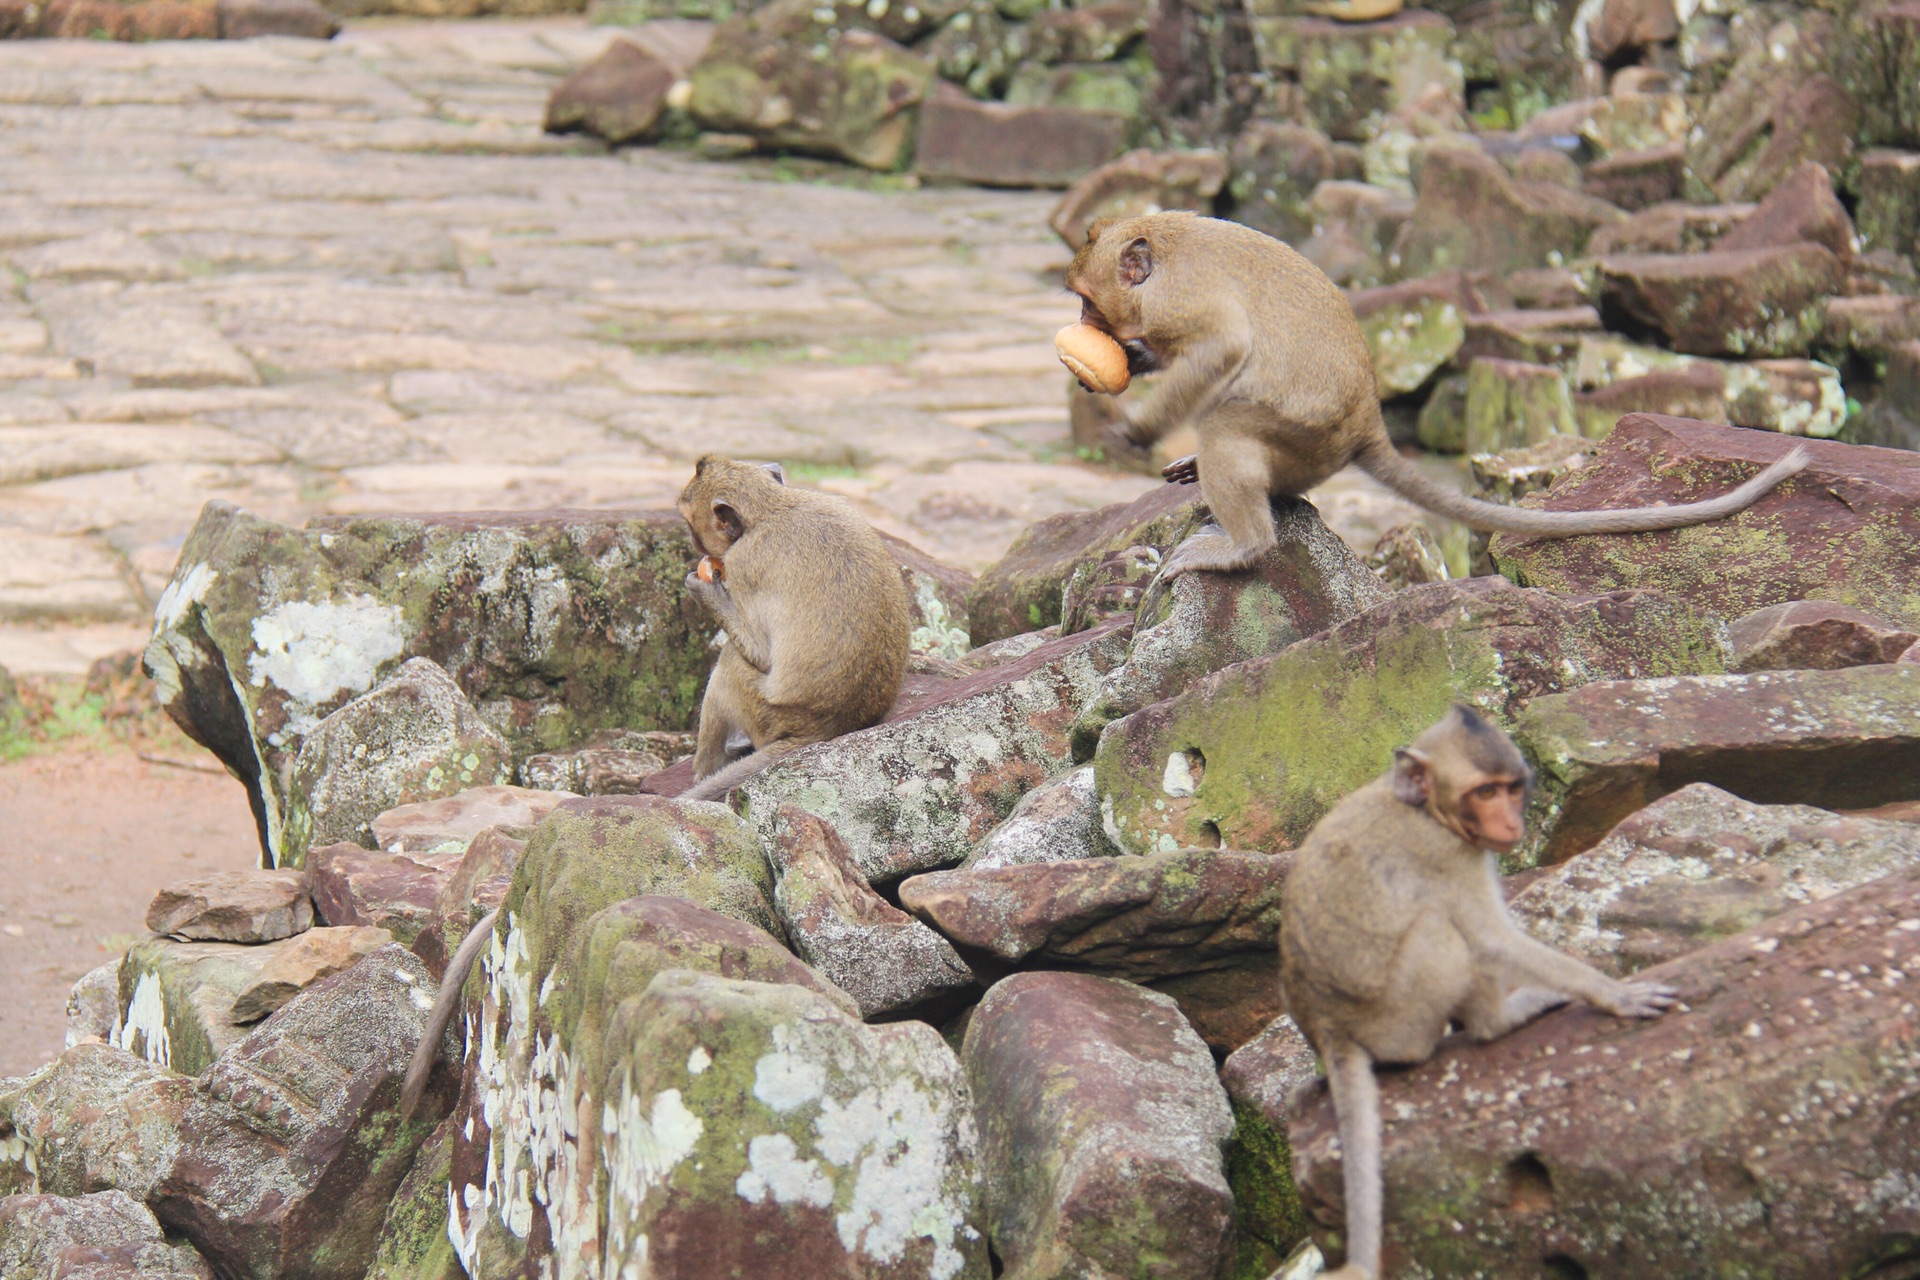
[(1394, 926), (815, 614), (1262, 353)]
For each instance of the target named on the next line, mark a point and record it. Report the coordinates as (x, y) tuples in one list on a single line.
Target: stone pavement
[(355, 276)]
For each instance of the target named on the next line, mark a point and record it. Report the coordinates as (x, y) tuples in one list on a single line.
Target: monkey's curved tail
[(451, 985), (1356, 1104), (1379, 460)]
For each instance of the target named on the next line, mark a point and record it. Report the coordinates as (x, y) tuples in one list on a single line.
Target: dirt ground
[(86, 837)]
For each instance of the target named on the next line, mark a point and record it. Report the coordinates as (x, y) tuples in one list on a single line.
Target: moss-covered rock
[(1469, 214), (97, 1117), (1276, 167), (918, 792), (1352, 73), (1847, 739), (1413, 329), (1101, 1127), (1252, 756), (107, 1235), (1846, 529), (1270, 1221), (1739, 302), (526, 1189), (1057, 821), (177, 998), (1308, 582), (1511, 404), (413, 1239), (554, 624)]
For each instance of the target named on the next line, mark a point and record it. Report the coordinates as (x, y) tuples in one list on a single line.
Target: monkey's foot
[(1182, 470), (1210, 549), (1642, 1000)]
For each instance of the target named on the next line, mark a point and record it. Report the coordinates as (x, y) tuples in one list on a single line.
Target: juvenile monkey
[(817, 629), (1394, 926), (1261, 351), (815, 615)]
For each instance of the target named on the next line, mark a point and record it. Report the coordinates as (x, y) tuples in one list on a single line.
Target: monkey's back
[(840, 657)]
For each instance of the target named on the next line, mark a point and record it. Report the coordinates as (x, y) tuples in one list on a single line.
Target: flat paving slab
[(351, 276)]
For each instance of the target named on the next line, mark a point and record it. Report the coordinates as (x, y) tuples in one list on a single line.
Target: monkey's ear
[(1412, 777), (728, 519), (1136, 262), (775, 470)]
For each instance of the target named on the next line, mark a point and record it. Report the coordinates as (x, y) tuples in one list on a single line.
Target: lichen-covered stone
[(1762, 1127), (412, 737), (413, 1240), (1200, 913), (292, 1144), (1469, 214), (1889, 206), (233, 906), (176, 999), (1101, 1127), (789, 81), (1814, 634), (1847, 739), (1275, 168), (93, 1005), (554, 624), (869, 948), (1003, 144), (1775, 108), (1021, 592), (1698, 866), (1801, 209), (1511, 404), (104, 1236), (1307, 582), (920, 791), (1259, 1077), (1846, 529), (1057, 821), (1355, 227), (1408, 555), (1351, 74), (1879, 65), (618, 96), (96, 1118), (1511, 475), (478, 885), (1740, 302), (315, 954), (1252, 756), (1412, 329)]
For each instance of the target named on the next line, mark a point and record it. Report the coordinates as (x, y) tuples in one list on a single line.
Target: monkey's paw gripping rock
[(710, 569), (1093, 357)]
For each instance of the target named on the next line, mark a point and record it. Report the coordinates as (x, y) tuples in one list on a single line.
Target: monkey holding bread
[(1393, 926), (1261, 351), (817, 628)]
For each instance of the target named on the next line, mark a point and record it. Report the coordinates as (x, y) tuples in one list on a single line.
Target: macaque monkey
[(817, 626), (1261, 351), (815, 614), (1394, 927)]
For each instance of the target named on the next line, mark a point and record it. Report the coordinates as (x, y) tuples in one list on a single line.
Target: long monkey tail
[(1356, 1101), (451, 985), (1379, 460)]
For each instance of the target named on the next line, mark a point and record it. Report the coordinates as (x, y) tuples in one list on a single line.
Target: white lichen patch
[(776, 1169), (186, 590), (1177, 781), (647, 1140), (937, 635), (313, 652), (143, 1031)]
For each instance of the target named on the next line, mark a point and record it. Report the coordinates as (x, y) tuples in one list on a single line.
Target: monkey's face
[(1490, 812), (718, 500)]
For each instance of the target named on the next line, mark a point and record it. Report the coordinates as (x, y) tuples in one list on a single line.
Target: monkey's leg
[(1527, 957), (1234, 480), (1356, 1102), (1492, 1008), (721, 721)]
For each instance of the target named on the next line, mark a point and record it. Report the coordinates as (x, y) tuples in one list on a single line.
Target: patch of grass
[(815, 472), (113, 705), (892, 350)]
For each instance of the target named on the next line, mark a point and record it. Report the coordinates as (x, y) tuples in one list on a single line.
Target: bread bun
[(1093, 357), (710, 570)]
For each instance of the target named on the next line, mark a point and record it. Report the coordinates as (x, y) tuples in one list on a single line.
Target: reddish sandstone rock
[(1814, 634), (997, 144), (233, 906), (1802, 209), (1470, 214), (1846, 529), (1847, 739), (449, 825), (315, 954), (392, 891), (104, 1236), (619, 96), (1116, 1158), (1753, 302), (1755, 1129), (1207, 919)]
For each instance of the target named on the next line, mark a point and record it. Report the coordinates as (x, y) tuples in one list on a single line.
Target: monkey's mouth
[(1140, 357)]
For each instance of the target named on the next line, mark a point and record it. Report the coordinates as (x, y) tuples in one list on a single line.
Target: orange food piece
[(710, 570), (1092, 356)]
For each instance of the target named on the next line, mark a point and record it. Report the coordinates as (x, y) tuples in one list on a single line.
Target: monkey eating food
[(1262, 353), (1394, 927), (817, 627), (814, 610)]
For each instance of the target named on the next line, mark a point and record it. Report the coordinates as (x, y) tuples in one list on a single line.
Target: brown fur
[(1393, 927), (1262, 352), (815, 614)]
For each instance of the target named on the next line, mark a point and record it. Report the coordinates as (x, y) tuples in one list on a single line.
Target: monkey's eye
[(1489, 790)]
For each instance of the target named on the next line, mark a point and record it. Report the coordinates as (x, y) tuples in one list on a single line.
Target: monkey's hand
[(1182, 470), (1639, 1000)]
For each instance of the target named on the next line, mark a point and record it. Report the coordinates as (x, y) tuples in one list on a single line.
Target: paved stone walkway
[(355, 276)]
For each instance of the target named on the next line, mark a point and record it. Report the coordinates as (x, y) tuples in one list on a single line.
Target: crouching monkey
[(1394, 927)]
